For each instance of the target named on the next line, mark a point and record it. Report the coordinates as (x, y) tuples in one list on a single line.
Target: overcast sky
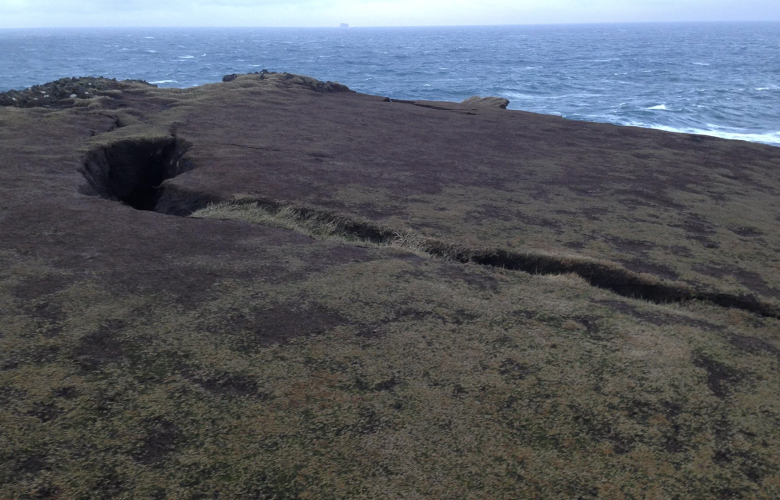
[(149, 13)]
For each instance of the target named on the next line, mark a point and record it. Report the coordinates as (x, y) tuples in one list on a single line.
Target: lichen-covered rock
[(487, 102), (61, 93)]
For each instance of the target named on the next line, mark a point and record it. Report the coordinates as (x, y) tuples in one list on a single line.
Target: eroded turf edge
[(607, 275)]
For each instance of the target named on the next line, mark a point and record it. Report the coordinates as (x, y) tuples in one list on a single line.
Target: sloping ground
[(384, 300)]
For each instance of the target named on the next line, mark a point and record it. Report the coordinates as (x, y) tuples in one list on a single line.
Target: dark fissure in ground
[(132, 171)]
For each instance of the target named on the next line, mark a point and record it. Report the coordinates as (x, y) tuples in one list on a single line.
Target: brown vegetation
[(376, 299)]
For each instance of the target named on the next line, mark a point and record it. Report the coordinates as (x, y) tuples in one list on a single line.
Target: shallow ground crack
[(246, 146), (422, 105), (600, 274)]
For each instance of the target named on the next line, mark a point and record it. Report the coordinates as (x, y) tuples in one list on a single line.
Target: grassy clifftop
[(274, 288)]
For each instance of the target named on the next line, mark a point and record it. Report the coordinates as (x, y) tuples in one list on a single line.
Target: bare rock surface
[(273, 287)]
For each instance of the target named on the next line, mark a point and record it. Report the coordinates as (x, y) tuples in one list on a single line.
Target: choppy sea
[(721, 79)]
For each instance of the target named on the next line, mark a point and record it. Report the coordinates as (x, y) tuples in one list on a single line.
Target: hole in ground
[(131, 171)]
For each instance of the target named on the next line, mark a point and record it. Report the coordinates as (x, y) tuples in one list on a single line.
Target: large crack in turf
[(133, 172), (606, 275)]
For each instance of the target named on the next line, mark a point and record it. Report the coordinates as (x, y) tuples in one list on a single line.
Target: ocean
[(720, 79)]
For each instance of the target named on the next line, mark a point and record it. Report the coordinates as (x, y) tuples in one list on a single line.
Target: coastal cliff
[(275, 287)]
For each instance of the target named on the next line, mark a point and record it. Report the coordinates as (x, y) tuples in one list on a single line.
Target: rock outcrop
[(62, 92), (304, 81), (487, 102)]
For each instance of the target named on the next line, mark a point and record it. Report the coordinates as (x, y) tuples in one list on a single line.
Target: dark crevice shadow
[(132, 171), (606, 275)]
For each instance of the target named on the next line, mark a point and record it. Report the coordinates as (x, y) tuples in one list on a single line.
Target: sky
[(313, 13)]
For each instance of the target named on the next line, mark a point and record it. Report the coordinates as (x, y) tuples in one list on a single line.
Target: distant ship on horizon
[(344, 25)]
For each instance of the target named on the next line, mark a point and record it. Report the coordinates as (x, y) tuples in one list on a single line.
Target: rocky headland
[(275, 287)]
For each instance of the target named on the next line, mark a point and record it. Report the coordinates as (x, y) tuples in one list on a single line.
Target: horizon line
[(337, 27)]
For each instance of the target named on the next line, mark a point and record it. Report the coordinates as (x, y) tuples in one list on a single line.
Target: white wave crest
[(186, 57), (163, 81), (771, 138), (660, 107)]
